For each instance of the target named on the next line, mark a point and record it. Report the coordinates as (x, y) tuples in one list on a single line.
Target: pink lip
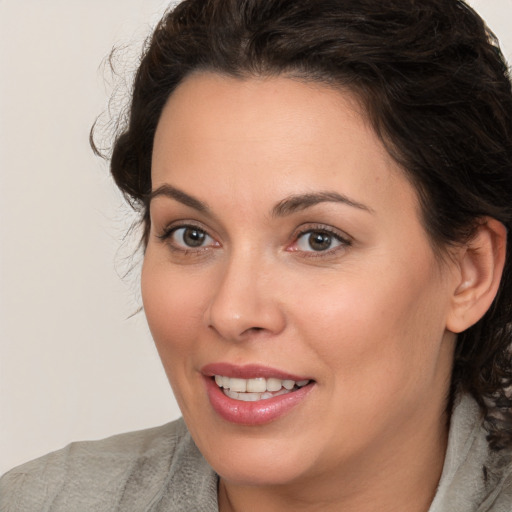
[(250, 371), (251, 413)]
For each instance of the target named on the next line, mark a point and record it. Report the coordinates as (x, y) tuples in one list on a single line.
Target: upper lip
[(249, 371)]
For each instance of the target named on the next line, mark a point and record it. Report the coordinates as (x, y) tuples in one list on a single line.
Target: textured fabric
[(161, 469), (474, 478), (153, 470)]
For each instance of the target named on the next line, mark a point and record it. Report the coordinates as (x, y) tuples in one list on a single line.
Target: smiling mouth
[(260, 388)]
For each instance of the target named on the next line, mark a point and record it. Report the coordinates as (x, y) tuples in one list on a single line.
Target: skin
[(367, 318)]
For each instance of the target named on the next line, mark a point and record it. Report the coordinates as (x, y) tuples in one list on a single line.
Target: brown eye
[(319, 241), (191, 237)]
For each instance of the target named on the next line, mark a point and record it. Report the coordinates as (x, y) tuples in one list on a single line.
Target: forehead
[(272, 136)]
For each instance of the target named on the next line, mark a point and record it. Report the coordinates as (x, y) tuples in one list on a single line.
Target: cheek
[(387, 328), (174, 308), (380, 358)]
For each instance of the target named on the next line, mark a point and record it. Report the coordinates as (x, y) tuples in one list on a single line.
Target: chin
[(254, 459), (249, 472)]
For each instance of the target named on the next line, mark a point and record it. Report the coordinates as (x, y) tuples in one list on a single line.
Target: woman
[(325, 190)]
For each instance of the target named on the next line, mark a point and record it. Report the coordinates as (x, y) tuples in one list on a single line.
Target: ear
[(481, 263)]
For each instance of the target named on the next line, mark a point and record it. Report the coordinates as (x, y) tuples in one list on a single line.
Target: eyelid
[(167, 232), (170, 228), (344, 239)]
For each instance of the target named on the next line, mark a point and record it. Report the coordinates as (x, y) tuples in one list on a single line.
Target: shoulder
[(475, 478), (498, 477), (133, 471)]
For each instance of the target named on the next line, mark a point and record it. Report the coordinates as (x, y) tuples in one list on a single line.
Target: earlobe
[(481, 263)]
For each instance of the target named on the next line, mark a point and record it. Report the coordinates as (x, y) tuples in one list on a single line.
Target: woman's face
[(286, 245)]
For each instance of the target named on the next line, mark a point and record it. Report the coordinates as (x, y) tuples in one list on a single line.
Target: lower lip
[(253, 413)]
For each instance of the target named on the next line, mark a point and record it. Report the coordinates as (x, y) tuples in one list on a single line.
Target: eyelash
[(324, 230), (344, 242), (168, 232)]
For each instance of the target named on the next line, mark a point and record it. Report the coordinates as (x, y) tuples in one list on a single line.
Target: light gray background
[(72, 364)]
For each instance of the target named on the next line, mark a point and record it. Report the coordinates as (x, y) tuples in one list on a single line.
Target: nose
[(245, 301)]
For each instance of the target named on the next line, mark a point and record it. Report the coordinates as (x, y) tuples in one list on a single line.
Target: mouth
[(254, 394), (259, 388)]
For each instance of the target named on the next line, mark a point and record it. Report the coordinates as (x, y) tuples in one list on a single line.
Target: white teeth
[(244, 397), (253, 397), (259, 388), (288, 384), (231, 394), (258, 385), (239, 385), (249, 397), (274, 384)]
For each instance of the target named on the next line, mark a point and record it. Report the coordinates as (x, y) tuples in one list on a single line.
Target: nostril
[(252, 330), (255, 329)]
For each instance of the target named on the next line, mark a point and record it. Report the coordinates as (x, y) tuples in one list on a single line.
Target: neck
[(402, 474)]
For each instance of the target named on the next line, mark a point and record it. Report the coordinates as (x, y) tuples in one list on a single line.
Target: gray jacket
[(161, 469)]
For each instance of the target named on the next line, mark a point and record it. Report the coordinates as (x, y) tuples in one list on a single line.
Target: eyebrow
[(178, 195), (285, 207), (300, 202)]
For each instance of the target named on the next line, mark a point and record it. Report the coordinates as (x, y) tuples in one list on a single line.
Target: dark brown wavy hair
[(435, 87)]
